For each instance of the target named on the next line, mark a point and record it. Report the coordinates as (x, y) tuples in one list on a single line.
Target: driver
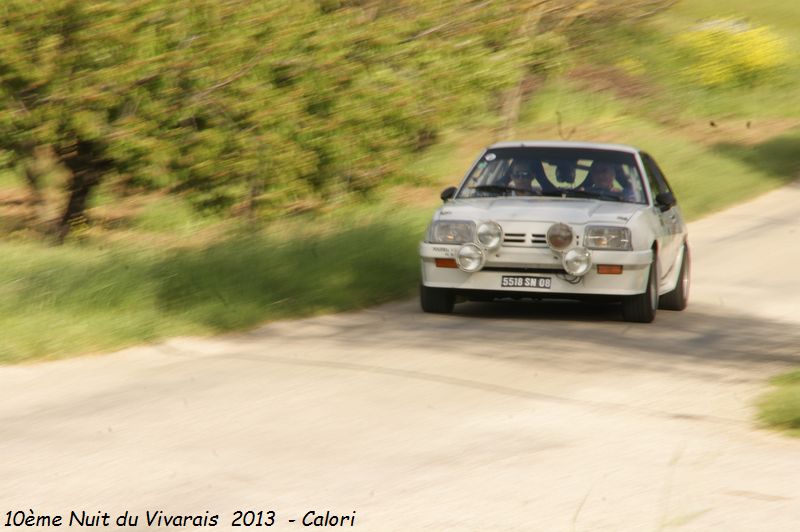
[(600, 179)]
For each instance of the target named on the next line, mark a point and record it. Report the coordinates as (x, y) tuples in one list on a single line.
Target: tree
[(261, 103)]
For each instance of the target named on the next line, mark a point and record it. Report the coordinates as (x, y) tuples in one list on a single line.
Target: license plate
[(525, 281)]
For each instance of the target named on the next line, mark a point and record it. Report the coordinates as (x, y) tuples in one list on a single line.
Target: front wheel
[(437, 300), (641, 308), (678, 299)]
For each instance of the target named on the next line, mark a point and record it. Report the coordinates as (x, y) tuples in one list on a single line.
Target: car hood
[(567, 210)]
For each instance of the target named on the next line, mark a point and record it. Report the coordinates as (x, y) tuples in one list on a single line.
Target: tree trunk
[(36, 201), (80, 186), (511, 106), (87, 165)]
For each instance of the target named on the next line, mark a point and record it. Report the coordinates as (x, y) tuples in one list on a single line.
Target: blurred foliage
[(263, 106), (97, 298), (728, 52), (779, 408)]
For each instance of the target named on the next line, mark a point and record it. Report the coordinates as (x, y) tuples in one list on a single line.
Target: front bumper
[(538, 262)]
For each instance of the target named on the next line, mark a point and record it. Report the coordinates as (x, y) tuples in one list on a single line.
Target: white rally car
[(559, 220)]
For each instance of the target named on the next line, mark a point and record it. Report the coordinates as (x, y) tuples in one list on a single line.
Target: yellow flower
[(729, 52)]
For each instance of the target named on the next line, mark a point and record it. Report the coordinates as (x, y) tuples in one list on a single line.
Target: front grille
[(519, 269), (524, 240), (514, 238)]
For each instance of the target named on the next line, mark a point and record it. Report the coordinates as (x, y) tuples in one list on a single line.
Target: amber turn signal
[(609, 269), (446, 263)]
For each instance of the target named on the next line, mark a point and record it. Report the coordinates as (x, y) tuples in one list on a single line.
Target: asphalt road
[(526, 416)]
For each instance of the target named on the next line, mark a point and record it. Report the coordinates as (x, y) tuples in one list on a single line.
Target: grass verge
[(779, 408), (84, 298)]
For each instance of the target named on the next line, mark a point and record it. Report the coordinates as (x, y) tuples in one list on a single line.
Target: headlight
[(559, 236), (490, 235), (451, 232), (470, 258), (608, 237), (577, 261)]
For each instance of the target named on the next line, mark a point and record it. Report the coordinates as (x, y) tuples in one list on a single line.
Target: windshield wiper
[(493, 188), (608, 196), (505, 189)]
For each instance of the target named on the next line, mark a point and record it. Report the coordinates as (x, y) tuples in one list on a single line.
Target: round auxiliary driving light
[(470, 258), (489, 235), (577, 261), (559, 236)]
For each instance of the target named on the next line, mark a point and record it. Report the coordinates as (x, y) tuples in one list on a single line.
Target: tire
[(436, 300), (641, 308), (678, 299)]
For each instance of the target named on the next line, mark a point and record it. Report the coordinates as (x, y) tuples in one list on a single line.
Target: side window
[(658, 183)]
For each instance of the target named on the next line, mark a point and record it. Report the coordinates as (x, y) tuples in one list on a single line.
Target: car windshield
[(560, 172)]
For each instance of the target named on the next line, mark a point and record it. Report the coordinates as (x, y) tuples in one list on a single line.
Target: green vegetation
[(780, 407), (208, 166), (257, 107), (92, 298), (728, 52), (778, 13)]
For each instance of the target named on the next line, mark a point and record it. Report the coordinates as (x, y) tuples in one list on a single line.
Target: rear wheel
[(437, 300), (641, 308), (679, 298)]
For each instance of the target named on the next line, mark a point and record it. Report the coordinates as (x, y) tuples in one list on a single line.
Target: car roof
[(563, 144)]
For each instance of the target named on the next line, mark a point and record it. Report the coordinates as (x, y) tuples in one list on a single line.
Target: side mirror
[(448, 193), (665, 200)]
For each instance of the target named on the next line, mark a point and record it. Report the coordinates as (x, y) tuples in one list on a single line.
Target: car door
[(671, 227)]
